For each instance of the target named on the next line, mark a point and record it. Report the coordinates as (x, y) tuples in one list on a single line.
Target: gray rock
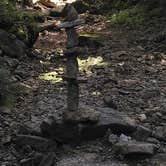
[(48, 160), (142, 117), (142, 133), (5, 110), (153, 140), (38, 143), (160, 133), (35, 160), (59, 130), (11, 46), (138, 148), (85, 114), (124, 138), (117, 122), (159, 159), (6, 140), (113, 139), (109, 101), (30, 129), (26, 162), (55, 128)]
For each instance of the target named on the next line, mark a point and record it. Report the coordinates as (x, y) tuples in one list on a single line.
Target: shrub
[(132, 17)]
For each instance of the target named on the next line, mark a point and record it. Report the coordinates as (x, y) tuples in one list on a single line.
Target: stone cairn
[(77, 124), (72, 63)]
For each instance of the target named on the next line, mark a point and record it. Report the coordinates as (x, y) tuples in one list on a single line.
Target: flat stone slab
[(85, 114), (138, 148), (38, 143), (61, 131), (112, 119)]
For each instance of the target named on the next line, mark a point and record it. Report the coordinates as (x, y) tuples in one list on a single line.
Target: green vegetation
[(132, 17), (21, 23), (132, 14)]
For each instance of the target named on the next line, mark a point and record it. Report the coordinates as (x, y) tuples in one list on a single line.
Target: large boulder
[(12, 46)]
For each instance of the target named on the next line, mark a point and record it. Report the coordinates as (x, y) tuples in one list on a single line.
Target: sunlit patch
[(91, 61), (56, 2), (53, 76), (96, 93), (87, 64)]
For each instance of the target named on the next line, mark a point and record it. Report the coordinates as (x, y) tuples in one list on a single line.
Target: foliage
[(134, 16), (20, 23)]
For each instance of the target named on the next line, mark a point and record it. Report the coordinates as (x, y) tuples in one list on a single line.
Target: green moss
[(99, 37), (21, 23)]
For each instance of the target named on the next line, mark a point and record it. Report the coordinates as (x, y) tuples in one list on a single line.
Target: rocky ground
[(125, 70)]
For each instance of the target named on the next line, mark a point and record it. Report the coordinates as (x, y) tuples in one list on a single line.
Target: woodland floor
[(129, 66)]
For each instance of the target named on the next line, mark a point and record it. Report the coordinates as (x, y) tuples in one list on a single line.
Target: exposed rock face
[(11, 46)]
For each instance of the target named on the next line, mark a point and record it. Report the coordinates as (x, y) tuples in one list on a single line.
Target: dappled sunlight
[(56, 2), (96, 93), (89, 63), (53, 76)]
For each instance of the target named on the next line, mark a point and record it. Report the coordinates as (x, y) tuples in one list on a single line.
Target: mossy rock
[(21, 23), (91, 40), (12, 46)]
